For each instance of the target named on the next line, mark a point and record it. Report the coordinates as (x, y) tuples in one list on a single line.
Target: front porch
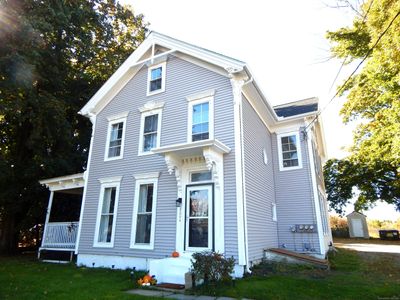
[(63, 213)]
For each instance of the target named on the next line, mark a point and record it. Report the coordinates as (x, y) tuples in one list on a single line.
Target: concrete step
[(170, 269)]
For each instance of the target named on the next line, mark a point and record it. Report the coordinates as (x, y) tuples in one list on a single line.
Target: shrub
[(212, 267), (339, 227)]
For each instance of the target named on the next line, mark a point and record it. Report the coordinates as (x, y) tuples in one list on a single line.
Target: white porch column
[(47, 216)]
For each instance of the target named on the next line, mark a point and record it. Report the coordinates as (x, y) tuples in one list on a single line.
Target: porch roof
[(64, 182), (193, 148)]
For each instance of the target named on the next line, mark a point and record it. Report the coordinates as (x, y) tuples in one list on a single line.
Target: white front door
[(199, 217)]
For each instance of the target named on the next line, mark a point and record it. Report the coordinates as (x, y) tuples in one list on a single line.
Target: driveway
[(375, 245)]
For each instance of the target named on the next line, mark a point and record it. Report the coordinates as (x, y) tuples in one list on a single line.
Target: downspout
[(92, 118)]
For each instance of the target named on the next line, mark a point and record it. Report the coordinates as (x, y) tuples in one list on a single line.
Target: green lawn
[(26, 278), (353, 276)]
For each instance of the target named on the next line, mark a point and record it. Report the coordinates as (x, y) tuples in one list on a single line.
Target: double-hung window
[(144, 212), (201, 119), (289, 151), (156, 79), (107, 212), (150, 130), (115, 137)]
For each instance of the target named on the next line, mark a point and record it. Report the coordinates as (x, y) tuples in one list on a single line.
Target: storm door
[(199, 217)]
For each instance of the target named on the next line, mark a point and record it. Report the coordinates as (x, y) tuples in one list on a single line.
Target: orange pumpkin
[(147, 278), (175, 254)]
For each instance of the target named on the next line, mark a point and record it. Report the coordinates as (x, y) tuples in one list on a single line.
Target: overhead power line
[(355, 70), (344, 60)]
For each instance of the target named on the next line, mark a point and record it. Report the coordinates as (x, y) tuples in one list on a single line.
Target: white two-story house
[(188, 155)]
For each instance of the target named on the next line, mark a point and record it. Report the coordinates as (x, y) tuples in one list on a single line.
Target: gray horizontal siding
[(295, 203), (259, 184), (182, 79)]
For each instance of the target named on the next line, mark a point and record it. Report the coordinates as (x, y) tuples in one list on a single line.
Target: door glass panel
[(198, 232), (199, 203)]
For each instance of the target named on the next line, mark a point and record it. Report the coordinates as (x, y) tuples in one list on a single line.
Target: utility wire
[(355, 70)]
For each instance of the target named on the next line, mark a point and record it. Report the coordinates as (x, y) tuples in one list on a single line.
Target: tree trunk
[(8, 236)]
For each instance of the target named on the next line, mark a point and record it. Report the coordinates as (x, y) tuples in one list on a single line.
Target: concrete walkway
[(370, 247), (172, 295)]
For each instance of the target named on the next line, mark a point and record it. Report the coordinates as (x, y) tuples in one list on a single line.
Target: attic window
[(156, 79)]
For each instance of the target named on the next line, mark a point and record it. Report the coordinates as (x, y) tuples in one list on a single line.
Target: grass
[(25, 278), (353, 276)]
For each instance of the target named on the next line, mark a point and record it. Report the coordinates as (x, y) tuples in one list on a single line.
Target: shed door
[(357, 228)]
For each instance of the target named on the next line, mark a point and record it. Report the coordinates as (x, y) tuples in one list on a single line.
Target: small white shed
[(358, 227)]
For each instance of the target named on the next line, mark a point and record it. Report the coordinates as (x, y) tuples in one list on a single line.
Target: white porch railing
[(60, 235)]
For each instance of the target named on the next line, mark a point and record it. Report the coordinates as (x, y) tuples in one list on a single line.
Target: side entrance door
[(199, 217)]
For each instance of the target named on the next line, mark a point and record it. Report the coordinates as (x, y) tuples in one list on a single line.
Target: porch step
[(294, 256), (170, 270)]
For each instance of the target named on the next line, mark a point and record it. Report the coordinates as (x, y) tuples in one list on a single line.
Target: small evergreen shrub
[(212, 267)]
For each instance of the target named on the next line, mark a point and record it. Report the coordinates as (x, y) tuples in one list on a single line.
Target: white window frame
[(107, 183), (141, 137), (141, 180), (111, 121), (163, 66), (298, 147), (192, 103), (323, 210)]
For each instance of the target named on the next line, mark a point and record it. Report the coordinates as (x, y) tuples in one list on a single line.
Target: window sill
[(113, 158), (289, 168), (155, 92), (103, 245), (145, 153), (142, 246)]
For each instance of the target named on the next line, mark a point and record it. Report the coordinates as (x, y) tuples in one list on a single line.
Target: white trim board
[(108, 261)]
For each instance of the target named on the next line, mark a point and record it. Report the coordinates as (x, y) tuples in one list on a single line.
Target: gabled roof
[(355, 213), (141, 56), (300, 107), (230, 67)]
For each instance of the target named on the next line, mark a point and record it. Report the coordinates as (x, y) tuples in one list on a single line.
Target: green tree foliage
[(373, 98), (54, 55), (376, 182)]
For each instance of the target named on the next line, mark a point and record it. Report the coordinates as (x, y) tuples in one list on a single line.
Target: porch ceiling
[(68, 182)]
